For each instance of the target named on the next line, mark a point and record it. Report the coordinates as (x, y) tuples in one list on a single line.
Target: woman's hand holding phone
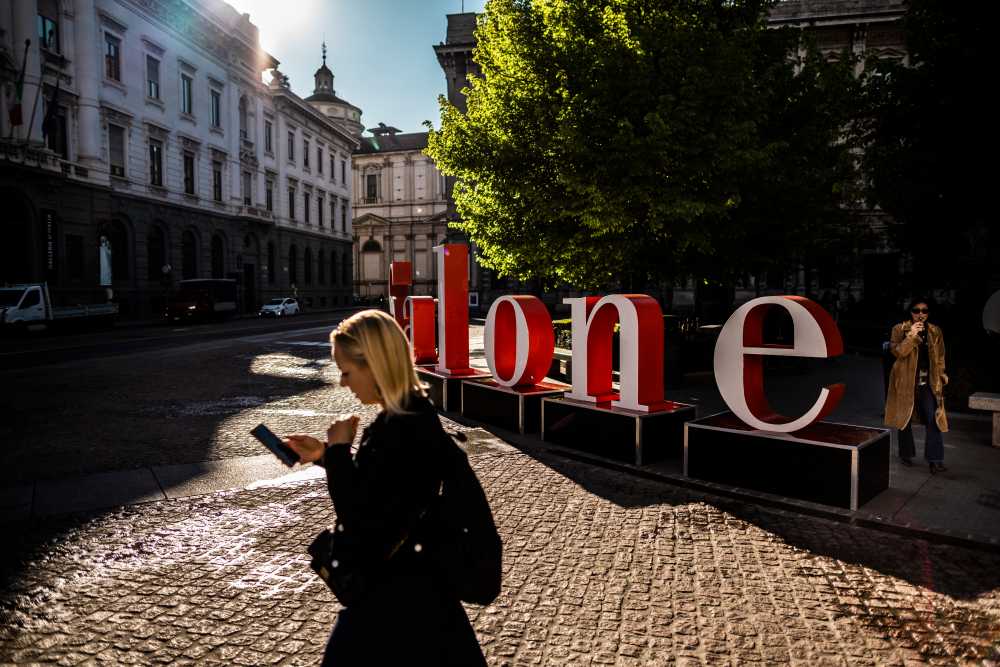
[(310, 449), (307, 447)]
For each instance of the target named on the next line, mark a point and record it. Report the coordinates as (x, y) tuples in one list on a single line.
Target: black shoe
[(937, 467), (905, 461)]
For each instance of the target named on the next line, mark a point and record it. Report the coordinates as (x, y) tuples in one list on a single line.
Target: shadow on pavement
[(957, 572), (89, 434)]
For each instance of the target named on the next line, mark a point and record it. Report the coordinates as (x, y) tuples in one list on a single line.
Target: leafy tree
[(924, 134), (645, 139)]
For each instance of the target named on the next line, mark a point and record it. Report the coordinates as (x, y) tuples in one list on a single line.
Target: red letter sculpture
[(641, 338), (739, 356), (420, 313), (519, 340), (399, 288), (453, 309)]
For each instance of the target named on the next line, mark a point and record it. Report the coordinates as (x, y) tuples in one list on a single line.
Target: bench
[(982, 400)]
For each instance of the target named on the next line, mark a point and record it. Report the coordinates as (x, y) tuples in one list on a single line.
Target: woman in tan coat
[(916, 384)]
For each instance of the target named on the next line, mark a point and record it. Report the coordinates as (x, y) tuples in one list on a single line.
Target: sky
[(380, 51)]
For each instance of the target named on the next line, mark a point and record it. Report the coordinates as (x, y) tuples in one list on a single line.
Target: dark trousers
[(926, 403)]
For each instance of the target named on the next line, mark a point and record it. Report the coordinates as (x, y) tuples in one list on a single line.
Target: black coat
[(378, 496)]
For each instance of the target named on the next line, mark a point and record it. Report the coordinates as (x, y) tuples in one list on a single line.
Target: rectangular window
[(267, 136), (333, 168), (216, 109), (305, 153), (343, 215), (155, 162), (112, 57), (247, 188), (291, 203), (305, 206), (269, 195), (55, 137), (187, 95), (343, 172), (319, 159), (189, 173), (216, 180), (291, 146), (333, 213), (152, 78), (319, 210), (371, 188), (48, 33), (116, 143)]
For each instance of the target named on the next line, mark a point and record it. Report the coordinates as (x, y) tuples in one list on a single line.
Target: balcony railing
[(256, 212)]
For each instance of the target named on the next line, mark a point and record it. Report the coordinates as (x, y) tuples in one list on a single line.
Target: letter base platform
[(445, 391), (827, 463), (513, 408), (616, 433)]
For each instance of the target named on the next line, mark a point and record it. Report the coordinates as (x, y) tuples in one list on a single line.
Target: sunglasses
[(919, 310)]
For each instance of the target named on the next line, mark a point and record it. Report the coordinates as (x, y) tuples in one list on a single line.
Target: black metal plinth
[(445, 391), (513, 408), (624, 435), (828, 463)]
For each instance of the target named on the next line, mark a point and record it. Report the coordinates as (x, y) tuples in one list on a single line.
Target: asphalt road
[(31, 349)]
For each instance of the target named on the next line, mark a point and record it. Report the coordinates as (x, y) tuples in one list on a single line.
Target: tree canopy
[(646, 139), (923, 127)]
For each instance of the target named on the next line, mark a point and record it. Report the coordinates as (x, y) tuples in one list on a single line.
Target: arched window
[(189, 255), (321, 267), (334, 276), (371, 245), (156, 254), (218, 258), (270, 263), (307, 257), (293, 260)]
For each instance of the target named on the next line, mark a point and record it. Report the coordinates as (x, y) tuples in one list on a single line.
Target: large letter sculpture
[(453, 309), (739, 356), (399, 288), (641, 337), (519, 340), (420, 314)]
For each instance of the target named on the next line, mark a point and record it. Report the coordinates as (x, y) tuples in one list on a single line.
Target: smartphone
[(274, 443)]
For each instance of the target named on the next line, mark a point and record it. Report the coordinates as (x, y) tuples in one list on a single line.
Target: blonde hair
[(372, 338)]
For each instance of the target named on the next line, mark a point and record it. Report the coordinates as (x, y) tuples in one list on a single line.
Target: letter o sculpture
[(519, 340)]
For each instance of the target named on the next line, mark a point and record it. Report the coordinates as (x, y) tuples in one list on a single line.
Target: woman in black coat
[(407, 614)]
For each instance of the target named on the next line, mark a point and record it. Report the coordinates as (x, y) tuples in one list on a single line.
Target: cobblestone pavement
[(599, 569)]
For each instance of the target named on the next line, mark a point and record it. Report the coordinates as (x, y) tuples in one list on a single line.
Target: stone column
[(25, 29), (88, 72)]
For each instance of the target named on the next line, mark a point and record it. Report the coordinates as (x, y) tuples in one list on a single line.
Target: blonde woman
[(407, 615)]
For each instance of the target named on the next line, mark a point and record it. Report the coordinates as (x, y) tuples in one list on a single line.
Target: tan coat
[(903, 379)]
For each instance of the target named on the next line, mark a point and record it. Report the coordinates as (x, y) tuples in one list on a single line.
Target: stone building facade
[(162, 141), (402, 203), (401, 211)]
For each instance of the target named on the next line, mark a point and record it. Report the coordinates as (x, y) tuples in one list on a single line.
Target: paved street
[(600, 567)]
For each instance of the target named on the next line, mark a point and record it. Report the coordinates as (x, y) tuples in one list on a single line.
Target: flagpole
[(34, 107)]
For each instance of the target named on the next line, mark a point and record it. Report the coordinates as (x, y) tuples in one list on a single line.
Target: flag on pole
[(16, 117)]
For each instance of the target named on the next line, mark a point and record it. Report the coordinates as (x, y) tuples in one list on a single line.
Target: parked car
[(279, 308), (30, 306), (203, 298)]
